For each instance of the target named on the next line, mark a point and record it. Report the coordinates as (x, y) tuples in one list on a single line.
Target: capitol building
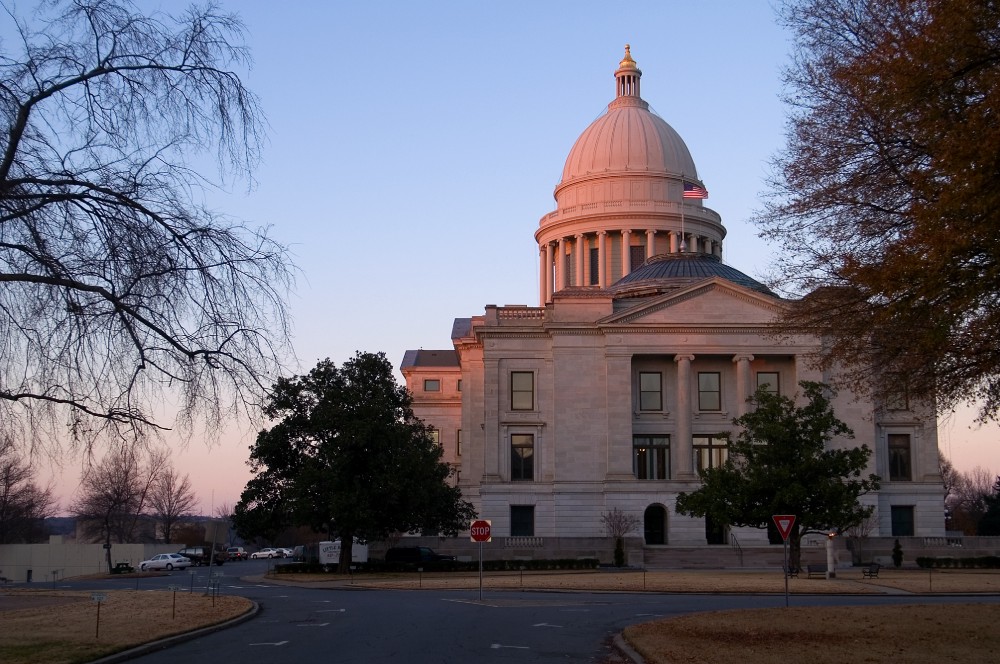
[(645, 345)]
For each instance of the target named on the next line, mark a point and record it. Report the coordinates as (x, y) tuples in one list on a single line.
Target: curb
[(161, 644)]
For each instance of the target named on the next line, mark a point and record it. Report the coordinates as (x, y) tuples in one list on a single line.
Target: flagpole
[(683, 242)]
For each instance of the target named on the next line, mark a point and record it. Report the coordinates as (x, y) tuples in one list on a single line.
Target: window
[(709, 451), (522, 520), (636, 255), (458, 386), (769, 381), (899, 457), (650, 390), (432, 385), (435, 436), (651, 457), (902, 520), (709, 391), (595, 267), (458, 443), (898, 400), (522, 390), (522, 453)]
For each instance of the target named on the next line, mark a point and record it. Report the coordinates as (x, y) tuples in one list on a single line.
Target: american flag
[(692, 190)]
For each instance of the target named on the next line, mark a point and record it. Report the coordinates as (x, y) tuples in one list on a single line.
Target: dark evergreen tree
[(989, 523), (780, 463), (348, 456)]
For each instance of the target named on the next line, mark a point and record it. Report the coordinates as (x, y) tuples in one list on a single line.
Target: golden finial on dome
[(627, 62)]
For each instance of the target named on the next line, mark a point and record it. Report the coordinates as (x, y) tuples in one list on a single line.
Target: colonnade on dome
[(598, 259)]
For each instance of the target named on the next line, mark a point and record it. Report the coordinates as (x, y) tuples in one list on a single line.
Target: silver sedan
[(167, 561)]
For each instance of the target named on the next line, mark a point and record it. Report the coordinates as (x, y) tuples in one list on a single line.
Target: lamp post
[(830, 572)]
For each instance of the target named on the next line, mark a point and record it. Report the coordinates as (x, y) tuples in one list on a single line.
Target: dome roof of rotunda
[(629, 138)]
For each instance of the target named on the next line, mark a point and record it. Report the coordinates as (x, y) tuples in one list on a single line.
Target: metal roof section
[(429, 358), (667, 271)]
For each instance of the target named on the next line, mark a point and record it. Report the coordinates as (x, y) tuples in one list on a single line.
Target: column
[(548, 273), (580, 250), (561, 264), (743, 389), (602, 253), (674, 241), (626, 255), (708, 245), (542, 285), (650, 243), (683, 454)]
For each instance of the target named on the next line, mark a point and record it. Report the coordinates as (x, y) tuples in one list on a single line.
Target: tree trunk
[(346, 549), (795, 548)]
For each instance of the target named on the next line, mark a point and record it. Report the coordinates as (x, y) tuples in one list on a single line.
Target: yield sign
[(784, 523)]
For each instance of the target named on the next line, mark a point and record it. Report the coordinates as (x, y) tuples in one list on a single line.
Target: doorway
[(654, 522)]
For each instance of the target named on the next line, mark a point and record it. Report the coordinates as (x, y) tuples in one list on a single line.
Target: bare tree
[(115, 493), (618, 524), (171, 500), (121, 290), (24, 505), (967, 499), (884, 197)]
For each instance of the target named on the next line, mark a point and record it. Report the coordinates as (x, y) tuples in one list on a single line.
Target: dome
[(628, 138), (668, 271)]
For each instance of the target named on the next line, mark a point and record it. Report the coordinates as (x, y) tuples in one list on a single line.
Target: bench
[(791, 571), (817, 570), (871, 571)]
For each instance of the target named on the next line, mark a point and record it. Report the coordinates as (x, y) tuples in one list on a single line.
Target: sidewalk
[(848, 581)]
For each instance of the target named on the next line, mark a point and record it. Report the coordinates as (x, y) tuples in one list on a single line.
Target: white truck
[(329, 553)]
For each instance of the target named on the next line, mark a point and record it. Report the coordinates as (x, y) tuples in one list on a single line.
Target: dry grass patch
[(918, 634), (61, 627)]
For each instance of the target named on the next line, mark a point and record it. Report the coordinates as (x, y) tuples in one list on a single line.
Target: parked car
[(267, 552), (285, 552), (414, 554), (201, 555), (167, 561), (236, 553)]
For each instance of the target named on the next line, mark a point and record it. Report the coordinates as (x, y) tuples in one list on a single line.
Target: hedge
[(947, 562)]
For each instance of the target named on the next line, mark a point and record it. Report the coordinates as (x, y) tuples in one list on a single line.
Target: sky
[(414, 146)]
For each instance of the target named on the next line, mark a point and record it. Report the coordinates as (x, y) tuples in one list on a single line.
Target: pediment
[(710, 302)]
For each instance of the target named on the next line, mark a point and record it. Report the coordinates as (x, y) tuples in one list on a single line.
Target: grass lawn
[(61, 626)]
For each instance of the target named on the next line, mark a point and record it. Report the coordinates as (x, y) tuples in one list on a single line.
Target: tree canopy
[(886, 196), (348, 456), (781, 463), (120, 289)]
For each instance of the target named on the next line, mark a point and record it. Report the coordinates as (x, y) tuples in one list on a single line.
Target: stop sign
[(480, 531)]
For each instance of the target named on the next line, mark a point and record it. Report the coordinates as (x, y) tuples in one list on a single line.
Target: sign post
[(481, 531), (784, 522)]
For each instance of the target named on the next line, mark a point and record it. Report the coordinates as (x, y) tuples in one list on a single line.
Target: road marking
[(279, 643), (546, 625), (331, 611), (313, 625), (495, 646)]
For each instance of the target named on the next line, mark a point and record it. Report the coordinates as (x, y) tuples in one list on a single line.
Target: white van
[(329, 553)]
